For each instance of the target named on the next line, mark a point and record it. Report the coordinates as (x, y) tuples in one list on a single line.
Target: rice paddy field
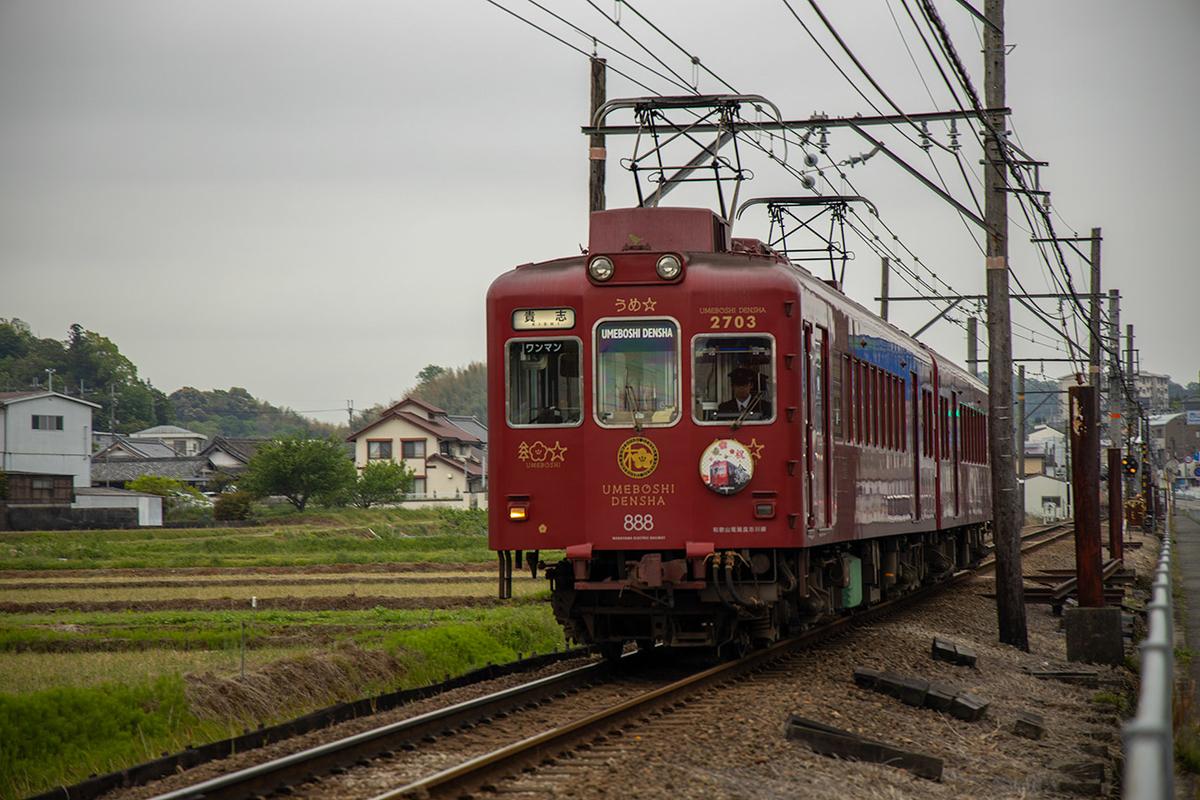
[(117, 646)]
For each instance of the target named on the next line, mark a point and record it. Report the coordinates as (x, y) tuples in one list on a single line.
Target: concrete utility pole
[(973, 345), (883, 290), (1094, 321), (596, 153), (1132, 418), (1006, 521), (1021, 434), (1114, 367)]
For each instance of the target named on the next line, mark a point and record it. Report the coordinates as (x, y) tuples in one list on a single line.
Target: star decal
[(649, 304), (755, 449), (557, 452)]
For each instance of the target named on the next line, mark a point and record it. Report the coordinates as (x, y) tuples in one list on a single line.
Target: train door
[(816, 445), (936, 432), (918, 443), (956, 447)]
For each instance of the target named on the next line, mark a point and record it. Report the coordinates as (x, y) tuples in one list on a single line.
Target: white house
[(46, 432), (1051, 445), (447, 461), (1048, 498), (181, 440)]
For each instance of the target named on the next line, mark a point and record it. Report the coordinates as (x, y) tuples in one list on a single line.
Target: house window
[(47, 422), (418, 486), (413, 448), (379, 449)]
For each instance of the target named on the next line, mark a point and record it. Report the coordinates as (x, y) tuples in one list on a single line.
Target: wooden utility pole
[(1006, 517), (596, 153)]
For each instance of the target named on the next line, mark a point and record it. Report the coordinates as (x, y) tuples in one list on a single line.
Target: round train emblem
[(637, 457), (726, 466)]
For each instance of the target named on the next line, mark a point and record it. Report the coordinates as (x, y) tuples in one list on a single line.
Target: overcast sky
[(308, 199)]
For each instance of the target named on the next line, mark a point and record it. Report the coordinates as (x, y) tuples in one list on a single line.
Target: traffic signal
[(1129, 466)]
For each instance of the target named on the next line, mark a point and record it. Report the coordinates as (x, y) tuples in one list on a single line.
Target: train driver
[(746, 395)]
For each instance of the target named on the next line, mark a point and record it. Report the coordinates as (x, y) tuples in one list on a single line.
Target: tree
[(299, 469), (382, 482), (430, 372), (462, 390)]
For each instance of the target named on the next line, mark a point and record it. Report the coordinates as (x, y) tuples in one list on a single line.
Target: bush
[(233, 505)]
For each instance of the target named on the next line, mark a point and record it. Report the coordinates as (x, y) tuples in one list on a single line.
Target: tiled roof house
[(446, 458)]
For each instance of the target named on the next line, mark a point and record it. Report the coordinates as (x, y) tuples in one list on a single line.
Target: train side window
[(733, 378), (545, 383), (637, 372)]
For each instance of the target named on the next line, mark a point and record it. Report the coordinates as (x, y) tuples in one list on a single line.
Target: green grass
[(61, 734), (92, 692), (232, 547)]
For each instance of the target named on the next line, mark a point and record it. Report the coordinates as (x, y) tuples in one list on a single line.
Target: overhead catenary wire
[(1057, 269)]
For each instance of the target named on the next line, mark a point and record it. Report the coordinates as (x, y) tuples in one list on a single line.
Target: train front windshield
[(637, 372), (545, 384)]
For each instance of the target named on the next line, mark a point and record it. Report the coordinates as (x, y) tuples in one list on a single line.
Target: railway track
[(527, 727)]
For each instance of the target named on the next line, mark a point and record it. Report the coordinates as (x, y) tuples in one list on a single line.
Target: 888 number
[(639, 522)]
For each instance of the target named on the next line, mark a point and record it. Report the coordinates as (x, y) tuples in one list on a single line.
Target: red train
[(725, 447)]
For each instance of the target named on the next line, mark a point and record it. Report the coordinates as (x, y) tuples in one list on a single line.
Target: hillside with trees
[(235, 412), (85, 365), (90, 366), (457, 390)]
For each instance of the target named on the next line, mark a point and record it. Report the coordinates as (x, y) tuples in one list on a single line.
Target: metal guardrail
[(1148, 737)]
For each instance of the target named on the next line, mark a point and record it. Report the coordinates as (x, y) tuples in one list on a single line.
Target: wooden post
[(1085, 478)]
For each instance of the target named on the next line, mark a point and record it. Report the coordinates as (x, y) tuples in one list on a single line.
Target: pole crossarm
[(597, 126), (949, 297)]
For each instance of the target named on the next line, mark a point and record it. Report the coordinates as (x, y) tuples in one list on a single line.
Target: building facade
[(46, 432), (446, 460)]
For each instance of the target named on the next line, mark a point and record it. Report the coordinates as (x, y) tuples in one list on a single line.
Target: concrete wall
[(62, 518)]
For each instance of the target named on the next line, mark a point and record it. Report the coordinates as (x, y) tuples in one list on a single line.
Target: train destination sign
[(538, 319)]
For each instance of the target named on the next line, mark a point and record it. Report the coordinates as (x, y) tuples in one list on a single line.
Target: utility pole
[(1132, 418), (596, 152), (1114, 367), (883, 290), (1006, 524), (1094, 322), (1021, 434), (973, 345)]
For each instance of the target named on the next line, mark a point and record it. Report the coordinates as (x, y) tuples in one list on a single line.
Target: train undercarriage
[(738, 600)]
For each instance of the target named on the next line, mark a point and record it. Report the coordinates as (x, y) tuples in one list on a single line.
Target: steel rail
[(264, 778), (478, 773), (267, 777)]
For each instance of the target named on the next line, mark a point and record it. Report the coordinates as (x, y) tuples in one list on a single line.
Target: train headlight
[(601, 269), (668, 267)]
